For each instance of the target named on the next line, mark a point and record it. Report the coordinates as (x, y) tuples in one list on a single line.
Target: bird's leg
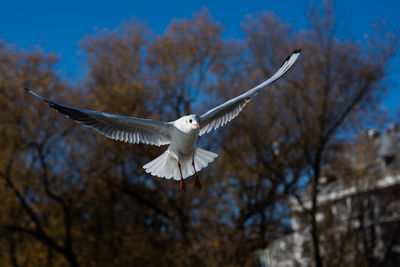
[(182, 185), (197, 183)]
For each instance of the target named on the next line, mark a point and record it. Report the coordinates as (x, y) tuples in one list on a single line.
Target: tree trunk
[(314, 226)]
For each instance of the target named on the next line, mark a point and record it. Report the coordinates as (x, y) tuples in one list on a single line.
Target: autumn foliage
[(69, 196)]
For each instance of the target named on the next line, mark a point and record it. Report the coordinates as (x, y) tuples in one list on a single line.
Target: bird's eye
[(190, 120)]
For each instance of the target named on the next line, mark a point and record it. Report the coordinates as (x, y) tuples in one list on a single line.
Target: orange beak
[(197, 125)]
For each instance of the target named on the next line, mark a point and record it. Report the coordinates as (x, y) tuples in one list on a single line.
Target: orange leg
[(197, 183), (182, 185)]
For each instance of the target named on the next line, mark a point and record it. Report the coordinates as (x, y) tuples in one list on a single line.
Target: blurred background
[(307, 175)]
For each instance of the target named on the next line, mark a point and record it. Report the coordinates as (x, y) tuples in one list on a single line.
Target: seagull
[(182, 158)]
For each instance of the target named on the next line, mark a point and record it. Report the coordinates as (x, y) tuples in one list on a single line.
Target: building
[(358, 211)]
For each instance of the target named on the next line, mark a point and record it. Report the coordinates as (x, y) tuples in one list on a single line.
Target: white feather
[(166, 165), (222, 114)]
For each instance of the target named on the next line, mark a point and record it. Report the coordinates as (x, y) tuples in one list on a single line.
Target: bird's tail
[(166, 165)]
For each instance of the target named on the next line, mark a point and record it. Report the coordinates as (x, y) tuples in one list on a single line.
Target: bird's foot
[(182, 185), (197, 183)]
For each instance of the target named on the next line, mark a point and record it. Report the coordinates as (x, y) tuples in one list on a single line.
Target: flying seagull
[(182, 158)]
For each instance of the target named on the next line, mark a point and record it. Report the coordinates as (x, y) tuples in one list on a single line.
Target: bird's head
[(188, 123)]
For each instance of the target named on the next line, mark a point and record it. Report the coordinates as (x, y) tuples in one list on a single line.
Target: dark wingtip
[(285, 61), (296, 51), (27, 89)]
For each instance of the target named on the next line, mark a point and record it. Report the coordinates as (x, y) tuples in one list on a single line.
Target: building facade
[(358, 210)]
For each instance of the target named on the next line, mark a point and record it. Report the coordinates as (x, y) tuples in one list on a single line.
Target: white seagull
[(182, 158)]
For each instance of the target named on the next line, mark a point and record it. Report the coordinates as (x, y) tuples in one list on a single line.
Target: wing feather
[(227, 111), (117, 127)]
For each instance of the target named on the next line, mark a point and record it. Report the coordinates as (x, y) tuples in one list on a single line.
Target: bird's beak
[(197, 125)]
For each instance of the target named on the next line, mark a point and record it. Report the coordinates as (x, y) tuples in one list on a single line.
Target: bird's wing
[(224, 113), (117, 127)]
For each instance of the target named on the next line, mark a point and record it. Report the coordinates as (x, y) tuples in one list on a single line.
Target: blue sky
[(58, 26)]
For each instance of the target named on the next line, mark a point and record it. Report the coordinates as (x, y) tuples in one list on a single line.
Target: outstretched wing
[(117, 127), (224, 113)]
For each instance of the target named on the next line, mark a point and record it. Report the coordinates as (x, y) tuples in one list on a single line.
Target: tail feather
[(166, 166), (202, 158)]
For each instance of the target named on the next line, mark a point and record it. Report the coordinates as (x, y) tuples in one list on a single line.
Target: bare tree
[(70, 196)]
